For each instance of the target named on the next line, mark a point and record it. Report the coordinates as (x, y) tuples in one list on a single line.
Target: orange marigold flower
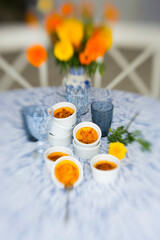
[(31, 18), (53, 21), (36, 55), (96, 45), (111, 13), (67, 8), (85, 58), (99, 42)]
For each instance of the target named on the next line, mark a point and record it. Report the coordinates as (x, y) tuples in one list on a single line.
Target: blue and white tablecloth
[(32, 208)]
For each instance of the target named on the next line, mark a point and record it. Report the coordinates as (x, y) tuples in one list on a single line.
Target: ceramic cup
[(68, 121), (57, 141), (50, 163), (84, 152), (87, 124), (55, 180), (103, 176)]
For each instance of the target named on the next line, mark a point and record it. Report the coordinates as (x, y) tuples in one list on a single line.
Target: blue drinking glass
[(102, 113), (38, 119)]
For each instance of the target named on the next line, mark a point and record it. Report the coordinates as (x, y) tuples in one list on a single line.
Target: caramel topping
[(105, 165), (87, 135), (55, 155), (63, 112), (67, 172)]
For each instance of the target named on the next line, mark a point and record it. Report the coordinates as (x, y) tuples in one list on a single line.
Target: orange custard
[(67, 172), (55, 155), (87, 135), (105, 165), (63, 112)]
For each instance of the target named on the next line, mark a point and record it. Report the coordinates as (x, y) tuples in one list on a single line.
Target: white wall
[(131, 10)]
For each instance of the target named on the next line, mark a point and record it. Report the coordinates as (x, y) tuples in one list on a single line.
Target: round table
[(32, 207)]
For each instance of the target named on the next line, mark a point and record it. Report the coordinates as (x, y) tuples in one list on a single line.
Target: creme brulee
[(63, 112), (67, 172), (55, 155), (105, 165), (87, 135)]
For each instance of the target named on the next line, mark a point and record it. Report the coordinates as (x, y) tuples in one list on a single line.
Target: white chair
[(15, 38), (145, 37)]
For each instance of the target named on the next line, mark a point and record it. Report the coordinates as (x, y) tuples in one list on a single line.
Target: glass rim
[(25, 108), (99, 110), (75, 95)]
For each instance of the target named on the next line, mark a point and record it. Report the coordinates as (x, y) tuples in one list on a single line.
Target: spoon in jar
[(68, 188)]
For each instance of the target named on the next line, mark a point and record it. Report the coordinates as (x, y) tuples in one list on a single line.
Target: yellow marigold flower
[(63, 50), (117, 149), (71, 30), (44, 5)]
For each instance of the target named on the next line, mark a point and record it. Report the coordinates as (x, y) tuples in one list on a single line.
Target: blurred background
[(136, 30)]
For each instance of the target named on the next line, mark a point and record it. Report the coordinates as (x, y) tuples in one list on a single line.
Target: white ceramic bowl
[(86, 153), (68, 121), (87, 124), (60, 130), (50, 163), (61, 185), (101, 175), (57, 141)]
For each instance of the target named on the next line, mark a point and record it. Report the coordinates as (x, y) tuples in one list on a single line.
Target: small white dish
[(84, 152), (68, 121), (58, 183), (105, 176), (57, 141), (60, 130), (50, 163), (87, 124)]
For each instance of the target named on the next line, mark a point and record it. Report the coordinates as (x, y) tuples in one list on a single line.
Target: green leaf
[(145, 145), (121, 134)]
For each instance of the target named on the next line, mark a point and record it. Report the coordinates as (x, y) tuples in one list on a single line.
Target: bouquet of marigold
[(77, 43)]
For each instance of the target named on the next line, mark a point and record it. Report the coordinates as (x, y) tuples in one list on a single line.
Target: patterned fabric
[(32, 208)]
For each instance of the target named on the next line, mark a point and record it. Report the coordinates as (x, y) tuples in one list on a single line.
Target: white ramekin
[(87, 124), (101, 175), (68, 121), (50, 163), (57, 141), (60, 130), (84, 152), (61, 185)]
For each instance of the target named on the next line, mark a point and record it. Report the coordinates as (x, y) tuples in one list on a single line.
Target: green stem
[(132, 120)]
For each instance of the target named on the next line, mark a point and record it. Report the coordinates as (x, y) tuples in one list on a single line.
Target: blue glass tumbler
[(80, 98), (38, 119), (102, 113)]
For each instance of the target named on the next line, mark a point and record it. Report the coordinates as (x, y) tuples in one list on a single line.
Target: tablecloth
[(32, 207)]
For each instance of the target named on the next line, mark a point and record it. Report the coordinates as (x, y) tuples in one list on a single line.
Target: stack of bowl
[(62, 125), (86, 150)]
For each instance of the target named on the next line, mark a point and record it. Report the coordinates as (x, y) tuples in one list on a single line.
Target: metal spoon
[(68, 188)]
